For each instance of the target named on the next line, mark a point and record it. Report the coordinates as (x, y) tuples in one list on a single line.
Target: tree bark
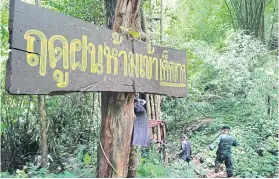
[(41, 101), (133, 160), (115, 135), (132, 170), (148, 107), (152, 104), (248, 15), (117, 108)]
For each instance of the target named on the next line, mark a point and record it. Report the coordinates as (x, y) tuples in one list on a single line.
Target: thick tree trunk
[(115, 135), (117, 108), (41, 101)]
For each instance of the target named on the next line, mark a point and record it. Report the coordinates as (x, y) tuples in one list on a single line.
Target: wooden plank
[(52, 52)]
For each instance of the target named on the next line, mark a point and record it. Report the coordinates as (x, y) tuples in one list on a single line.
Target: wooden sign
[(51, 52)]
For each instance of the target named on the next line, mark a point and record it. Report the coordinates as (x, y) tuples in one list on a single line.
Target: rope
[(108, 160)]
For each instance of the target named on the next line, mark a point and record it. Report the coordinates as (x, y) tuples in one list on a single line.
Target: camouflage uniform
[(224, 152)]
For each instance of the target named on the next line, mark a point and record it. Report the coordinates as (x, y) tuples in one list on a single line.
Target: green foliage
[(90, 11), (4, 16), (206, 20), (249, 164), (151, 170), (79, 167), (254, 20), (86, 159), (231, 79), (236, 81), (152, 167), (69, 123), (42, 173)]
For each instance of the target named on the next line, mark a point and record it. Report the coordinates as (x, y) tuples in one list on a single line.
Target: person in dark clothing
[(185, 152), (224, 153), (141, 125)]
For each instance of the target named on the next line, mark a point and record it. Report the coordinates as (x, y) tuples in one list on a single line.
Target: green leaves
[(205, 20), (151, 167), (231, 84), (90, 11), (150, 170), (4, 33), (87, 159)]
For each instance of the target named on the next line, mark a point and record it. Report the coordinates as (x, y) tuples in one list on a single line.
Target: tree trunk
[(132, 170), (41, 101), (117, 108), (248, 15), (133, 160), (152, 104), (115, 135), (148, 106)]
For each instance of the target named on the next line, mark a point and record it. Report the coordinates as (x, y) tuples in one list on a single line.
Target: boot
[(229, 173), (217, 168)]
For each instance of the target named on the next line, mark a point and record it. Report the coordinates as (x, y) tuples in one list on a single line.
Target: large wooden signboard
[(52, 52)]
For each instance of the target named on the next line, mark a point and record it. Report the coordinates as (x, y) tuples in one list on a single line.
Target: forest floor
[(209, 173)]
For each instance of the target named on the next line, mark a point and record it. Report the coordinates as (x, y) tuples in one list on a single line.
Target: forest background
[(232, 53)]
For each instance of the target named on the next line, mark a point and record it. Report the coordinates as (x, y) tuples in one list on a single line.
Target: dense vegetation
[(232, 80)]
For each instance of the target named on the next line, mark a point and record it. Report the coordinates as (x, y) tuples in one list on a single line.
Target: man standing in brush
[(224, 152)]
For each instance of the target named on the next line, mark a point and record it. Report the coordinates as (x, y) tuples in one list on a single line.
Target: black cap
[(226, 127)]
